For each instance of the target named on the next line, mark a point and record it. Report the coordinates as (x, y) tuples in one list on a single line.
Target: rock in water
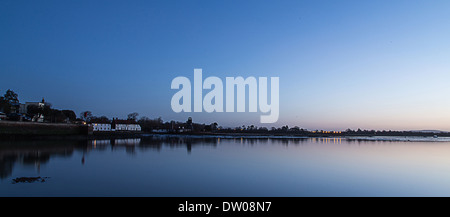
[(29, 179)]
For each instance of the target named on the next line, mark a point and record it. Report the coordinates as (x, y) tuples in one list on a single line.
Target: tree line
[(9, 104)]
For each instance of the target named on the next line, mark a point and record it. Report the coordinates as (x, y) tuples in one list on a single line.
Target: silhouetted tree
[(70, 114), (55, 116), (133, 116), (33, 110), (3, 105), (101, 119), (8, 100), (148, 124), (86, 115), (189, 123), (11, 97)]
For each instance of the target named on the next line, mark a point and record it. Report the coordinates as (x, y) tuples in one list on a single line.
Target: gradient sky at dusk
[(341, 64)]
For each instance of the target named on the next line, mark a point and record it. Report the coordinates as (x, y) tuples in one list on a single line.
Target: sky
[(341, 64)]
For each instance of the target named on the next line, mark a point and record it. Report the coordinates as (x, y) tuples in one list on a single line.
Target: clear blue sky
[(342, 64)]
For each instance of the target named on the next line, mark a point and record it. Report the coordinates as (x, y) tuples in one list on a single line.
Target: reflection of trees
[(6, 165), (158, 141), (35, 157), (153, 143), (34, 152), (38, 152)]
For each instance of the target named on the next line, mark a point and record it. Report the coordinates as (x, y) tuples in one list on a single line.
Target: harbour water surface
[(156, 165)]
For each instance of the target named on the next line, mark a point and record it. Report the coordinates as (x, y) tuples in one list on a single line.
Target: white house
[(23, 108), (101, 126), (125, 125)]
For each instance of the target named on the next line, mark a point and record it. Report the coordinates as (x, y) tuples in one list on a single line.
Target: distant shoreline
[(17, 130)]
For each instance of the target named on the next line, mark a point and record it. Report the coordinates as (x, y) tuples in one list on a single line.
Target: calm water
[(210, 166)]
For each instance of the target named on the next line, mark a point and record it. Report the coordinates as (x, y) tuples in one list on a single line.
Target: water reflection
[(225, 166), (34, 153), (327, 140), (39, 152), (154, 142)]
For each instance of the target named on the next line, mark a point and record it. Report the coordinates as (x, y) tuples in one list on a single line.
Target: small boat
[(435, 136)]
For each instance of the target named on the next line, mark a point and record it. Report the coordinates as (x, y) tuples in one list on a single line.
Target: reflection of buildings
[(337, 140), (103, 142), (39, 152), (116, 142), (129, 142), (155, 142)]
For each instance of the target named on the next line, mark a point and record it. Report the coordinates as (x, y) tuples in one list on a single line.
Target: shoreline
[(131, 135), (32, 130)]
